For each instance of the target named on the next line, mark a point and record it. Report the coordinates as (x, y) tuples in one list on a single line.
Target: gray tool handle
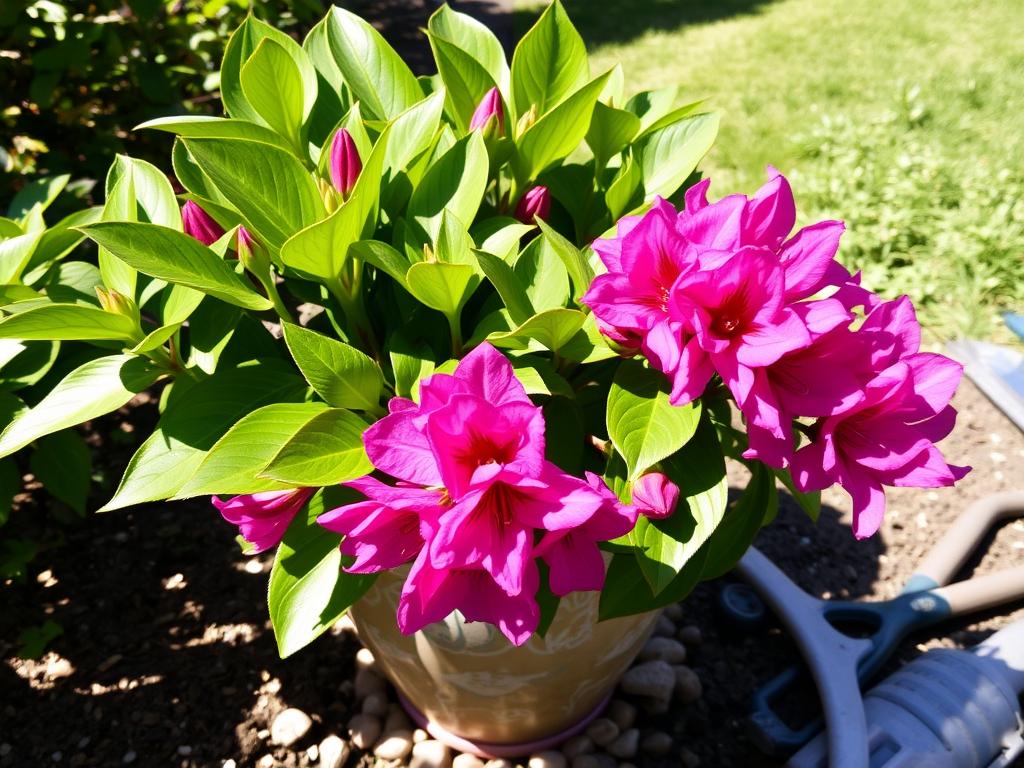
[(940, 565), (982, 592), (1007, 647)]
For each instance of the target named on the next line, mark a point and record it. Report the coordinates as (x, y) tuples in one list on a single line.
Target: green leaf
[(308, 591), (10, 484), (10, 228), (557, 133), (376, 75), (543, 275), (98, 387), (177, 258), (60, 239), (39, 192), (553, 329), (473, 37), (322, 249), (120, 206), (663, 547), (413, 131), (455, 181), (68, 322), (579, 270), (74, 282), (611, 130), (668, 155), (340, 374), (33, 640), (25, 364), (741, 524), (549, 62), (466, 81), (272, 84), (63, 464), (644, 427), (244, 41), (508, 286), (206, 127), (269, 187), (809, 502), (15, 255), (234, 463), (444, 287), (383, 257), (651, 106), (626, 190), (626, 592), (156, 338), (410, 362), (194, 419), (500, 235), (154, 197), (327, 450)]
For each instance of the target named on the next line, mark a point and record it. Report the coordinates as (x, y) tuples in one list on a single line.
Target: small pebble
[(622, 713), (656, 743), (5, 749), (466, 760), (376, 704), (253, 566), (547, 759), (397, 720), (674, 611), (664, 648), (687, 688), (289, 726), (690, 635), (333, 752), (267, 761), (313, 753), (430, 754), (688, 759), (57, 756), (664, 626), (229, 763), (653, 679), (626, 745), (129, 757), (364, 659), (367, 681), (364, 730), (393, 745), (184, 750), (580, 744), (420, 735), (603, 731), (500, 763), (596, 760)]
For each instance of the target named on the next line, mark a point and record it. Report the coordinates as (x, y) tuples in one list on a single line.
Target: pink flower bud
[(535, 203), (655, 496), (489, 108), (262, 518), (345, 162), (199, 224)]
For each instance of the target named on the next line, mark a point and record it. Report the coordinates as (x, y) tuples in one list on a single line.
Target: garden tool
[(997, 370), (839, 663), (945, 709)]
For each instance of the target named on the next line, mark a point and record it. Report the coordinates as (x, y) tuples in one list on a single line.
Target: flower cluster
[(724, 289), (473, 493)]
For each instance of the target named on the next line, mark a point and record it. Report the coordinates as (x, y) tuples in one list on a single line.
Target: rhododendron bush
[(484, 327)]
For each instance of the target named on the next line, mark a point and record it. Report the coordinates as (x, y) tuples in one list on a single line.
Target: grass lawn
[(906, 119)]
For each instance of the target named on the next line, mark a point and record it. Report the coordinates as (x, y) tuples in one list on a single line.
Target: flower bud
[(345, 162), (655, 496), (489, 116), (535, 203), (199, 224), (253, 256), (117, 303), (527, 120)]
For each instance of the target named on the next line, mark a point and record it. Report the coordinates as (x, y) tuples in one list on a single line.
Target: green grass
[(904, 119)]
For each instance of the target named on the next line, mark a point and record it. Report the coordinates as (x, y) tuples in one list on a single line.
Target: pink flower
[(655, 496), (345, 163), (535, 203), (886, 438), (262, 518), (575, 562), (489, 109), (199, 224)]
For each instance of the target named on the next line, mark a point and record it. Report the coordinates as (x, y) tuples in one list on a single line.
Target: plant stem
[(271, 288), (355, 316), (453, 326)]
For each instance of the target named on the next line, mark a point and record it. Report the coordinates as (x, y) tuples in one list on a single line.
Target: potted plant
[(470, 352)]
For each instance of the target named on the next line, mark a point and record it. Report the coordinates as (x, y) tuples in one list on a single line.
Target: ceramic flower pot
[(474, 690)]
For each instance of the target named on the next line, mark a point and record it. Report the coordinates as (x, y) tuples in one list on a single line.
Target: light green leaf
[(120, 205), (444, 287), (15, 255), (376, 75), (207, 127), (340, 374), (272, 84), (541, 273), (154, 197), (383, 257), (500, 235), (177, 258), (155, 339), (98, 387), (741, 524), (508, 286), (327, 450), (413, 131), (10, 228), (651, 106), (667, 156), (557, 133), (268, 186), (411, 363), (579, 270), (308, 590), (644, 427), (466, 81), (549, 63), (60, 239), (233, 465), (553, 329), (474, 38), (611, 130), (37, 194), (194, 419), (456, 181), (626, 190), (68, 322)]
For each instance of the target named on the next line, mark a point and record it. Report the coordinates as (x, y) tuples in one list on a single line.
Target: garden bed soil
[(167, 656)]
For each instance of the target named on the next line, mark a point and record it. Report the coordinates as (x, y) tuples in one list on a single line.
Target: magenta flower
[(262, 518), (886, 438), (535, 203), (199, 224), (345, 163), (655, 496), (575, 562), (489, 109)]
